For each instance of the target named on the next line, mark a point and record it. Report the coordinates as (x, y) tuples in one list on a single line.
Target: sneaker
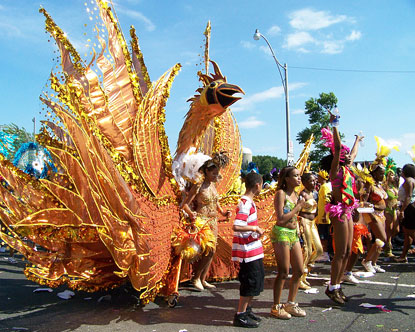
[(334, 296), (378, 269), (278, 311), (349, 277), (243, 320), (294, 310), (252, 315), (368, 266), (344, 297)]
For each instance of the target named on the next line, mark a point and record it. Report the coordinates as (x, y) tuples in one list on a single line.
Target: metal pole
[(290, 154), (290, 157), (34, 126)]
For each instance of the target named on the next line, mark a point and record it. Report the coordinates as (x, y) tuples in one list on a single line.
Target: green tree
[(318, 118), (266, 163)]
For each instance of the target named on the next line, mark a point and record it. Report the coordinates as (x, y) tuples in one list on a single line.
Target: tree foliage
[(266, 163), (318, 118)]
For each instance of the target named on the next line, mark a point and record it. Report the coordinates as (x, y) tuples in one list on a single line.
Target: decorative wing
[(151, 149), (99, 220)]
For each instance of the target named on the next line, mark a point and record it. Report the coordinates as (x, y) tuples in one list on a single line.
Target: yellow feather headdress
[(323, 174), (362, 174), (383, 150)]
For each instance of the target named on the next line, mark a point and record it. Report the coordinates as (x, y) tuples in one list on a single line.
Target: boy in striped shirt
[(247, 250)]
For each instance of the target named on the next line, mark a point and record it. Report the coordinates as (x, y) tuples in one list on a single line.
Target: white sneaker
[(368, 266), (378, 269), (349, 277)]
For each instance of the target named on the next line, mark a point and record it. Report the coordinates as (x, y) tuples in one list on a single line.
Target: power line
[(356, 70)]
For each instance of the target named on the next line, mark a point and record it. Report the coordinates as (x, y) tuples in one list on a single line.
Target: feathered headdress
[(323, 174), (383, 150), (327, 136), (252, 167), (219, 159), (362, 174), (390, 166)]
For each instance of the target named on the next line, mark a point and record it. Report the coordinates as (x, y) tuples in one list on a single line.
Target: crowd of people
[(344, 210)]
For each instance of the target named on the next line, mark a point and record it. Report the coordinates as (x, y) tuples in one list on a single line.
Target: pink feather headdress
[(327, 136)]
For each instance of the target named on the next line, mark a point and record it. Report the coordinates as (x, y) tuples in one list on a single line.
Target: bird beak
[(225, 94)]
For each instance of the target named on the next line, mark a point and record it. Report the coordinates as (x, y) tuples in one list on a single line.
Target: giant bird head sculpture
[(213, 100)]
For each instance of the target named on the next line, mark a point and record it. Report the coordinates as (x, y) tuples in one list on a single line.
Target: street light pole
[(290, 155)]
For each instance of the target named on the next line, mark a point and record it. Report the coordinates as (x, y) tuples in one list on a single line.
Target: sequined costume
[(391, 201), (206, 207), (345, 181), (377, 197), (312, 243), (284, 235)]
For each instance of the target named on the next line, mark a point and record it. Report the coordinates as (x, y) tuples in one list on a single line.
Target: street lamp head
[(257, 34)]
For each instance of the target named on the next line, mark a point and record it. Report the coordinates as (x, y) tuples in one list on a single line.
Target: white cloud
[(298, 39), (150, 26), (247, 44), (302, 50), (189, 58), (306, 38), (304, 42), (249, 101), (272, 93), (9, 30), (332, 47), (250, 123), (354, 35), (274, 30), (309, 19), (298, 111), (265, 49)]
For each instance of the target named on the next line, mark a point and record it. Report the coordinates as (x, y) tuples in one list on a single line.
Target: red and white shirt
[(246, 246)]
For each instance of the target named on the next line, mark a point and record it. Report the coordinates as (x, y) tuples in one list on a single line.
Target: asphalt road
[(23, 310)]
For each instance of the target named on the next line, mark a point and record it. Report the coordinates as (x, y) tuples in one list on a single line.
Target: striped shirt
[(246, 246)]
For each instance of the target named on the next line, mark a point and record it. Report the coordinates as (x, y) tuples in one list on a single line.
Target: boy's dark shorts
[(251, 276)]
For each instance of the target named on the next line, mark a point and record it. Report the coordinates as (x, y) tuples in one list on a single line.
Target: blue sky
[(368, 45)]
